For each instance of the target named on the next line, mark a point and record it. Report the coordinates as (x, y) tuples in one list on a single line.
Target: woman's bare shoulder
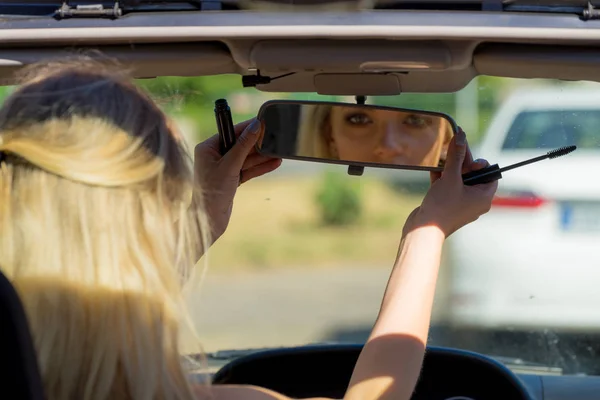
[(243, 392)]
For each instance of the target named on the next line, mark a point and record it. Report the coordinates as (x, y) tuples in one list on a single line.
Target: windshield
[(309, 249)]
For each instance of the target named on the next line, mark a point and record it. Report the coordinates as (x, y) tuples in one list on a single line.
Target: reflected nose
[(391, 145)]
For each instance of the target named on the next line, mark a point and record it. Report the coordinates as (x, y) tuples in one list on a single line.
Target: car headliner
[(325, 52)]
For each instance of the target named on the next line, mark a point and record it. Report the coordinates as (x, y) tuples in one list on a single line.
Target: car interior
[(22, 375), (392, 48)]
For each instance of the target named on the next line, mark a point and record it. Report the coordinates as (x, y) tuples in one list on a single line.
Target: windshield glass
[(309, 249)]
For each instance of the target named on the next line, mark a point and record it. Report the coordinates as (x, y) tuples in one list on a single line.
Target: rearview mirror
[(355, 134)]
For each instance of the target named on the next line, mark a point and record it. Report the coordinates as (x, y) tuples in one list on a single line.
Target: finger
[(468, 161), (434, 176), (457, 151), (261, 169), (235, 158), (490, 188), (239, 128), (476, 165), (488, 191), (255, 159), (479, 164), (493, 188), (468, 157), (213, 141), (484, 190)]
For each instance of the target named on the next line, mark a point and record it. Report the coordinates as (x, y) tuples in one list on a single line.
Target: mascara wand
[(494, 172)]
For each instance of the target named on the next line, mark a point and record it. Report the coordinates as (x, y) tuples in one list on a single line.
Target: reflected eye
[(358, 119), (417, 121)]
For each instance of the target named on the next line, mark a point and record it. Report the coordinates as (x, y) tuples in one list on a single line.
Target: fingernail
[(254, 127)]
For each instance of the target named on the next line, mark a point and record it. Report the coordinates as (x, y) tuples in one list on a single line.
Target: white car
[(533, 262)]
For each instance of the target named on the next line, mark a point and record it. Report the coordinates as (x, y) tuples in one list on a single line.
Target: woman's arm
[(244, 392), (390, 362)]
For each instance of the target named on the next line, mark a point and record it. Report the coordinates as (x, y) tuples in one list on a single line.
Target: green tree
[(338, 200), (5, 91), (194, 97)]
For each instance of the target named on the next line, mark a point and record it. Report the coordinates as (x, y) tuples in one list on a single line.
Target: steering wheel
[(298, 373)]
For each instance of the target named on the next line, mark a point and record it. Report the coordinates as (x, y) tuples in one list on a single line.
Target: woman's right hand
[(449, 203)]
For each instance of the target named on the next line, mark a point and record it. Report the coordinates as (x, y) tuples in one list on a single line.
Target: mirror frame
[(353, 164)]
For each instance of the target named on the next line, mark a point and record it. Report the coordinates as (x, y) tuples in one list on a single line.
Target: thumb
[(434, 176), (456, 154), (243, 146)]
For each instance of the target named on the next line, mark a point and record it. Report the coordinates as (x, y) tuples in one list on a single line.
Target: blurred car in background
[(532, 263)]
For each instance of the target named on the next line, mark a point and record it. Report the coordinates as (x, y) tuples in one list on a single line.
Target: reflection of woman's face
[(384, 136)]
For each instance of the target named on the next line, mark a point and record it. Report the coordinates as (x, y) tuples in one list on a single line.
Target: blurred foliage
[(5, 91), (193, 98), (338, 200), (187, 94)]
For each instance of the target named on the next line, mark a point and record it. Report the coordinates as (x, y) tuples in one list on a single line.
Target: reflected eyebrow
[(356, 110)]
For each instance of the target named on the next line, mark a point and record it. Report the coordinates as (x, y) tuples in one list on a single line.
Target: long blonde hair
[(97, 236)]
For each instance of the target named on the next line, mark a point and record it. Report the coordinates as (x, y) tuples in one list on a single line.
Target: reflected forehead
[(385, 114)]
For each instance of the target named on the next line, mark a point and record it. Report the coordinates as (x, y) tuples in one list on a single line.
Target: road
[(287, 306)]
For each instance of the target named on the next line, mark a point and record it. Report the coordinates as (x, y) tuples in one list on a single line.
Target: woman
[(98, 237), (371, 135)]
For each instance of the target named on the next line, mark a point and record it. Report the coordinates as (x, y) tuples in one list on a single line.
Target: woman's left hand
[(450, 204), (219, 176)]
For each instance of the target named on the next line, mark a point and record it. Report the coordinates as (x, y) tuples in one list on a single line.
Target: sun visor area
[(343, 84), (375, 67), (357, 84), (350, 55), (144, 60), (538, 61)]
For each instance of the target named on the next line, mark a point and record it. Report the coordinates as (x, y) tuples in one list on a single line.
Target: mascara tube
[(224, 126)]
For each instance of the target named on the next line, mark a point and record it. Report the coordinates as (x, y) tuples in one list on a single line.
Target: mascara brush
[(494, 172)]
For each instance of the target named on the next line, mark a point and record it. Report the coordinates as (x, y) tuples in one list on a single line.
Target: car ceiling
[(368, 52)]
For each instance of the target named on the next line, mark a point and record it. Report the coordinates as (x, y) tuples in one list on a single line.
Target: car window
[(549, 129), (309, 248)]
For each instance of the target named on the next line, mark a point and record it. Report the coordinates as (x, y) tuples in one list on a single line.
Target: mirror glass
[(363, 135)]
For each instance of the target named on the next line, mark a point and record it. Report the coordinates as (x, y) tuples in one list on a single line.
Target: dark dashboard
[(448, 374)]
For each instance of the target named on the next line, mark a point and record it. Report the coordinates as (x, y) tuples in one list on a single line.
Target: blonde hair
[(314, 133), (97, 236), (447, 136)]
